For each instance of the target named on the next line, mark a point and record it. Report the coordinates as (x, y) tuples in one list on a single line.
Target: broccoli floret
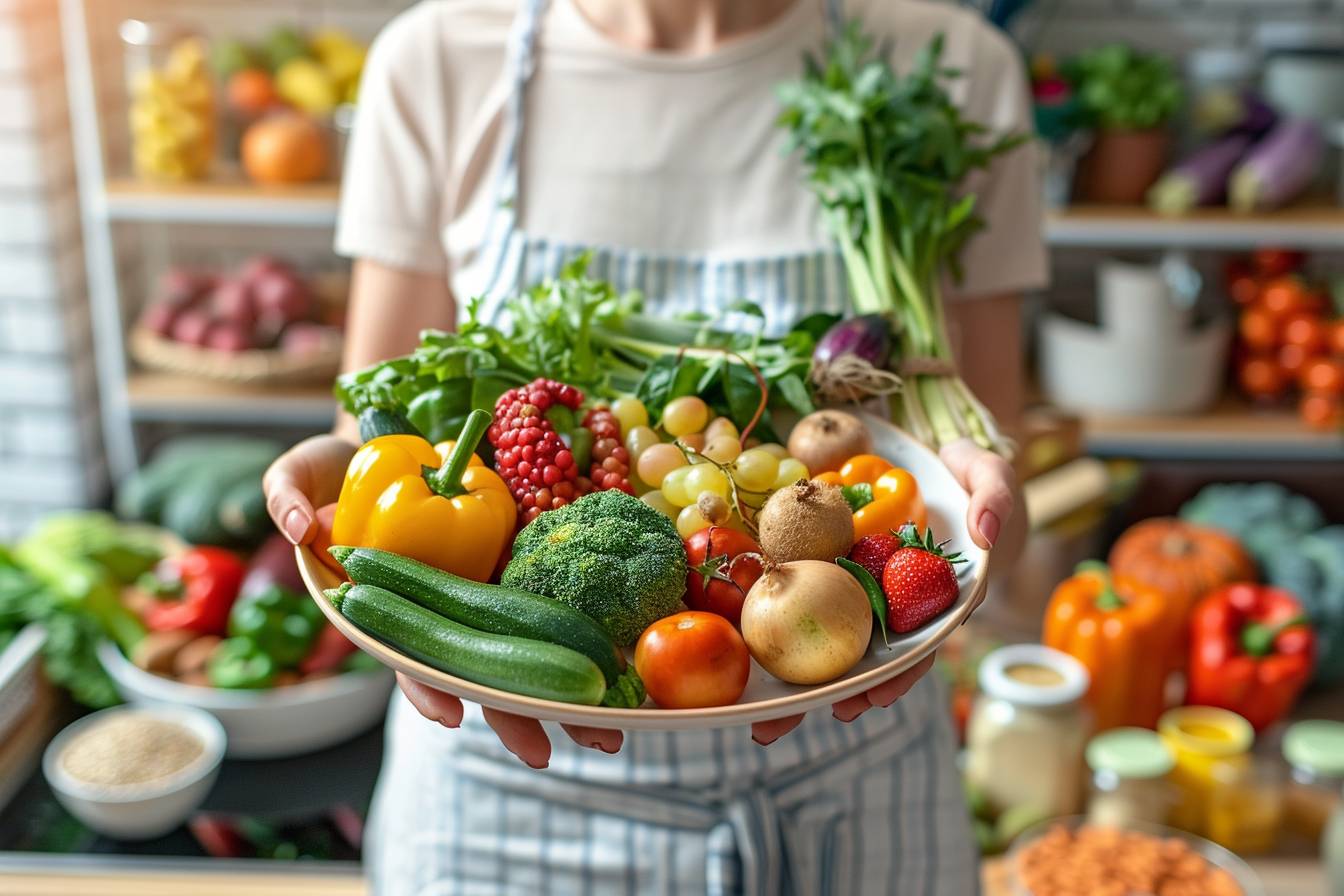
[(608, 555)]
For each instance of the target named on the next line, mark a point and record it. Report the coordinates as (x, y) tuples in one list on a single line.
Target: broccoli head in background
[(608, 555)]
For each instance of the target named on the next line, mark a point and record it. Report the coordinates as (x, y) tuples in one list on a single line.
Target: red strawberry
[(918, 580), (873, 551)]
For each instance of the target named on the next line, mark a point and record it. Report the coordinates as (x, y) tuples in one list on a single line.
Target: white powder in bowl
[(129, 748)]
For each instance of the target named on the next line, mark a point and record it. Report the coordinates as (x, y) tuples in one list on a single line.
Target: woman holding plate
[(495, 140)]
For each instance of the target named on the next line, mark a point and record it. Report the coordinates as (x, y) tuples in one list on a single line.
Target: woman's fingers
[(988, 478), (524, 737), (432, 704), (885, 694), (307, 475), (607, 740), (765, 733)]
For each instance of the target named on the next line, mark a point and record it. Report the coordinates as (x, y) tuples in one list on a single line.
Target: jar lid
[(1316, 745), (1130, 753), (1206, 730), (1033, 675)]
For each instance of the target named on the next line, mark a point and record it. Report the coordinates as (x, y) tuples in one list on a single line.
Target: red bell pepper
[(1251, 651), (329, 650), (206, 581)]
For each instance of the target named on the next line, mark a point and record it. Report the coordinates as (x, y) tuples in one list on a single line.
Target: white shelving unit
[(130, 397)]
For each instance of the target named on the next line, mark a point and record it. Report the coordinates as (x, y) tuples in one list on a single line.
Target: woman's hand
[(524, 737), (991, 483)]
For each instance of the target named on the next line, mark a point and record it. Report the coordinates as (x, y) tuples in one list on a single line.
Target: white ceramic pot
[(266, 724), (141, 811), (1088, 370), (1135, 303)]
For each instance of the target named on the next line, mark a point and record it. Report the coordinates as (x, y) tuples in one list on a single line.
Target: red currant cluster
[(529, 454), (611, 460)]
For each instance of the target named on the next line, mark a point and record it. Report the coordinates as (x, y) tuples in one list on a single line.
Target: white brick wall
[(50, 447)]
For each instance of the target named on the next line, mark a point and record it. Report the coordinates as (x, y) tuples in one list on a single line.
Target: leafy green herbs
[(583, 332), (1121, 88), (886, 155)]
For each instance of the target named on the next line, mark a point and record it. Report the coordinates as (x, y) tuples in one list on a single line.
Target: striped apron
[(870, 807)]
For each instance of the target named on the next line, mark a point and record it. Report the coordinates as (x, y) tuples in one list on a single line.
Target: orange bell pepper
[(438, 504), (896, 499), (1123, 632)]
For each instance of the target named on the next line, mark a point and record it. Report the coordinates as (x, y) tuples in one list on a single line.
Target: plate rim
[(646, 718)]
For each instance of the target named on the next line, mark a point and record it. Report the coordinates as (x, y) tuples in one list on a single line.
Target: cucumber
[(242, 511), (518, 665), (144, 494), (489, 608), (375, 422)]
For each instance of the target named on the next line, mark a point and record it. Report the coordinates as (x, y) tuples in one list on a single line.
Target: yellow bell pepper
[(896, 498), (438, 504)]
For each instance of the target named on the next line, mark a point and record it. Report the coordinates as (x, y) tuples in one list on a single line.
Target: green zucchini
[(518, 665), (242, 510), (489, 608), (375, 422)]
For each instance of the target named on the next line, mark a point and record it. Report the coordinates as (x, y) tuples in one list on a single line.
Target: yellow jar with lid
[(1208, 744), (1131, 770), (1246, 808), (1314, 751)]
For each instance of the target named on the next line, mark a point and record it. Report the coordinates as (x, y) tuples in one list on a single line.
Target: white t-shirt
[(656, 151)]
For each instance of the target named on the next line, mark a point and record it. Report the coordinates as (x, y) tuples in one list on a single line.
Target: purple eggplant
[(867, 337), (1200, 178), (1279, 167)]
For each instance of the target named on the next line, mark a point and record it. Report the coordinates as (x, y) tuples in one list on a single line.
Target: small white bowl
[(271, 723), (139, 811)]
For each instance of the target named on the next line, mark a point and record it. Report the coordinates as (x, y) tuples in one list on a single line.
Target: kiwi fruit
[(808, 520)]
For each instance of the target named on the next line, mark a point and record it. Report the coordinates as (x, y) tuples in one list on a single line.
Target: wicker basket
[(253, 366)]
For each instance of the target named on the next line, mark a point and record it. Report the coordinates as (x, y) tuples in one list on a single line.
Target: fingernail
[(988, 524), (296, 525)]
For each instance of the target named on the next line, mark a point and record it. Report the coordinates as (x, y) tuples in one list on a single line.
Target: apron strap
[(521, 64)]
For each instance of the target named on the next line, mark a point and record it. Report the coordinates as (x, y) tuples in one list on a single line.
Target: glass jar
[(1027, 731), (1246, 805), (1314, 751), (1208, 744), (171, 99), (1130, 785), (1332, 850)]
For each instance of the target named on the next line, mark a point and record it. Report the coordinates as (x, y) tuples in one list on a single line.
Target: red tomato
[(1259, 329), (1337, 337), (1276, 262), (1324, 376), (1260, 377), (1286, 295), (723, 565), (1244, 290), (693, 659), (1324, 412), (1292, 358), (1307, 330)]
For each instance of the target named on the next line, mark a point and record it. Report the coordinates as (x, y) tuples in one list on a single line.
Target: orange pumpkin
[(1183, 560)]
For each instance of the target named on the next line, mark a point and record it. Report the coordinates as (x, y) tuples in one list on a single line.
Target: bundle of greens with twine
[(886, 155)]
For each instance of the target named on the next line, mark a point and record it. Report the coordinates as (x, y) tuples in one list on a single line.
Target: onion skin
[(807, 622), (867, 336), (824, 440)]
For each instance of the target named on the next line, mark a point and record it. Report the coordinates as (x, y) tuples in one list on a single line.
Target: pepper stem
[(1108, 599), (447, 479), (1257, 638)]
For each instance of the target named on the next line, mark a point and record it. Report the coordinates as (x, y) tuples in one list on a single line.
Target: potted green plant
[(1128, 98)]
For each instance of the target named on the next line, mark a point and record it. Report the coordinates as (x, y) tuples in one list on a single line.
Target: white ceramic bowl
[(266, 724), (139, 811)]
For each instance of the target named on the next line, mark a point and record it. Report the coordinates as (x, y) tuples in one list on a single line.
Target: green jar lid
[(1316, 745), (1130, 753)]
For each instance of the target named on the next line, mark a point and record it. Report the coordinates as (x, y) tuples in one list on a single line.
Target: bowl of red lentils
[(1071, 857), (135, 772)]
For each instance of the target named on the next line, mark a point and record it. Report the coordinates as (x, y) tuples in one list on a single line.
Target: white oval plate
[(766, 697)]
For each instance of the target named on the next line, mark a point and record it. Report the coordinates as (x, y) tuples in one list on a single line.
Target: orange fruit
[(251, 92), (286, 148)]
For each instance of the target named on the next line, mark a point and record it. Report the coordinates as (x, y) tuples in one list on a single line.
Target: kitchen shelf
[(1231, 431), (228, 201), (168, 398), (1312, 225)]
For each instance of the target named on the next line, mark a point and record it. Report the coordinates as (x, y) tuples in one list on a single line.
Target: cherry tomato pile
[(1290, 339)]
